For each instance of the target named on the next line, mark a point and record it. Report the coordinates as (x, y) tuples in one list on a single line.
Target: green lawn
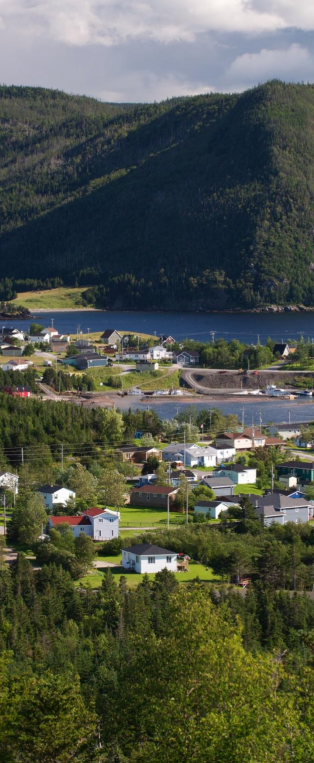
[(63, 297), (132, 516), (94, 579), (247, 489)]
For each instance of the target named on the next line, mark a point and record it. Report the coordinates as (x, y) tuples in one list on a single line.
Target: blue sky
[(146, 50)]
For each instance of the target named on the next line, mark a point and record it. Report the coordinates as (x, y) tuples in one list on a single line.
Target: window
[(137, 558), (169, 559), (296, 509), (151, 560), (100, 520), (147, 496)]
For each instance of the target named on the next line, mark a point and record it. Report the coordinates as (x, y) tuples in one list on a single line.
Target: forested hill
[(194, 202)]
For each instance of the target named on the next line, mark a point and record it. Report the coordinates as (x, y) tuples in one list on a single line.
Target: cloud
[(110, 22), (159, 88), (294, 63)]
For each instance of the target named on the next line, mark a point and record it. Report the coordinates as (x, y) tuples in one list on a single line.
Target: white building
[(55, 494), (98, 524), (145, 557), (9, 481), (210, 509), (190, 454), (40, 338), (16, 364), (225, 454), (13, 333), (240, 475), (234, 440), (160, 353), (287, 431)]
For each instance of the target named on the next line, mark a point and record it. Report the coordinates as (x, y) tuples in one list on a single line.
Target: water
[(247, 327), (259, 412)]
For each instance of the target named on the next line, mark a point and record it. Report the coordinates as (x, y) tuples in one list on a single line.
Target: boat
[(274, 391), (306, 392)]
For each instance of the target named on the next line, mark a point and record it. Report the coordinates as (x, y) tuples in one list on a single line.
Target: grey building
[(287, 431), (220, 485), (86, 360), (111, 336), (279, 508)]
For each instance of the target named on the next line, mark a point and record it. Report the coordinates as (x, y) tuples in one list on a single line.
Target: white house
[(287, 431), (224, 454), (133, 355), (145, 557), (17, 365), (211, 509), (10, 481), (13, 333), (234, 440), (240, 475), (53, 494), (99, 524), (42, 337), (160, 353), (190, 454)]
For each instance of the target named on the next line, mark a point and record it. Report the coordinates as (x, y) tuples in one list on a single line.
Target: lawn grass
[(94, 579), (247, 489), (132, 516), (62, 297)]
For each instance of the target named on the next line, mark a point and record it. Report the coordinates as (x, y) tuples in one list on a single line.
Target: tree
[(84, 549), (29, 349), (151, 465), (35, 329), (162, 474), (204, 493), (113, 487), (84, 484), (28, 518)]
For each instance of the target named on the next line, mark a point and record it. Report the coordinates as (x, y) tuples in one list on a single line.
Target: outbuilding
[(240, 475), (146, 557), (210, 509)]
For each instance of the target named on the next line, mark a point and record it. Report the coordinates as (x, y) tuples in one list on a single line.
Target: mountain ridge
[(203, 202)]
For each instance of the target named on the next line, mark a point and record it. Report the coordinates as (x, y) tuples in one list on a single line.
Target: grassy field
[(63, 297), (162, 379), (94, 579), (247, 489), (132, 516)]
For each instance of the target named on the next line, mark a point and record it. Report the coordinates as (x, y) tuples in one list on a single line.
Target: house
[(281, 349), (55, 494), (187, 358), (156, 496), (224, 454), (240, 475), (287, 431), (111, 336), (235, 440), (42, 338), (146, 557), (167, 339), (17, 391), (257, 437), (146, 365), (302, 470), (279, 508), (187, 473), (190, 454), (9, 481), (137, 453), (143, 354), (99, 524), (87, 359), (220, 485), (160, 353), (8, 332), (10, 351), (16, 365), (210, 509)]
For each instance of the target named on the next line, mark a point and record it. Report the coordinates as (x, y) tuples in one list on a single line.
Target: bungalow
[(174, 451), (17, 365), (8, 332), (287, 431), (156, 496), (99, 524), (190, 454), (302, 470), (137, 453), (112, 337), (240, 475), (234, 440), (257, 437), (10, 351), (146, 365), (43, 338), (279, 508), (146, 557), (55, 494), (134, 355), (9, 481), (222, 486), (187, 358), (160, 353), (210, 509)]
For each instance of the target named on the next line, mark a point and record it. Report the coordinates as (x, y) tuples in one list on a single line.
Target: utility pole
[(289, 419), (52, 322), (22, 454), (184, 448), (258, 341), (62, 456), (260, 420), (243, 417), (4, 516), (169, 473), (272, 478), (187, 503), (212, 334), (168, 497)]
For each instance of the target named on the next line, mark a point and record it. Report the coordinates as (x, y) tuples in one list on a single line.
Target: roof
[(175, 447), (70, 520), (297, 464), (144, 549), (287, 427), (179, 472), (280, 347), (51, 489), (231, 436), (273, 441), (208, 504), (238, 468), (191, 353), (199, 451), (106, 334), (159, 489), (217, 482), (253, 432), (94, 512), (2, 474), (136, 448), (277, 502), (49, 330)]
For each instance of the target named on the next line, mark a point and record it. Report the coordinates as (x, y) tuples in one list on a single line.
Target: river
[(247, 327)]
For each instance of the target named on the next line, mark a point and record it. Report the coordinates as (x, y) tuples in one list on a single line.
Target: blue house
[(86, 360)]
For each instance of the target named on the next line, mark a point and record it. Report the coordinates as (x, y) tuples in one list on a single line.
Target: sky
[(149, 50)]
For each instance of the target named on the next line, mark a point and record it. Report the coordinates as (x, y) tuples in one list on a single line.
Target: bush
[(113, 547)]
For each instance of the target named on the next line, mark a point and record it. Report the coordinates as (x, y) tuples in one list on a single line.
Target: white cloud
[(151, 87), (294, 63), (110, 22)]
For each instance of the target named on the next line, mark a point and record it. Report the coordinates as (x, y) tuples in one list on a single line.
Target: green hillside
[(204, 202)]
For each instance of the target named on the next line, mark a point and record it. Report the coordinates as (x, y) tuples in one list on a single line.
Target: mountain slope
[(196, 202)]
